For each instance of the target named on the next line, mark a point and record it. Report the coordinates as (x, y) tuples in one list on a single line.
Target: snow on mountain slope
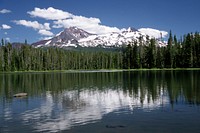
[(112, 39), (74, 37), (68, 37)]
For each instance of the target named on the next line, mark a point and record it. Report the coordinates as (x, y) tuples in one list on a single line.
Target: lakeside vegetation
[(136, 55)]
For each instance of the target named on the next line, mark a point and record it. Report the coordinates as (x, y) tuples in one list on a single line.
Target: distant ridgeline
[(177, 54)]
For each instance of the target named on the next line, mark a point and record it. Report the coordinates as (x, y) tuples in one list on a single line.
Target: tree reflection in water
[(72, 99)]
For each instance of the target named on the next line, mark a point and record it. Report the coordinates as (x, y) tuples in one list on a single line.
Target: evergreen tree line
[(27, 58), (177, 54)]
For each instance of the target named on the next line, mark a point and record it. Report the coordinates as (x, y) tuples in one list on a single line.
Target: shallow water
[(130, 101)]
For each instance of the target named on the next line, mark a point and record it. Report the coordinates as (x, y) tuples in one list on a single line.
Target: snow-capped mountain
[(112, 39), (74, 37), (68, 37)]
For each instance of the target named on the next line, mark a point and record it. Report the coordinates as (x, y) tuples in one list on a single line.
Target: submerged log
[(20, 95)]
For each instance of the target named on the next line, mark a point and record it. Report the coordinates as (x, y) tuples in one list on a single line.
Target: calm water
[(101, 102)]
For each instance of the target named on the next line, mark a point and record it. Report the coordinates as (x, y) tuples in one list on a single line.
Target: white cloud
[(45, 38), (153, 32), (7, 39), (3, 11), (50, 13), (63, 19), (43, 29), (6, 33), (45, 33), (33, 24), (5, 26), (92, 25)]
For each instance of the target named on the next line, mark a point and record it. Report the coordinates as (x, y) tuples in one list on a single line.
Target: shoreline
[(101, 70)]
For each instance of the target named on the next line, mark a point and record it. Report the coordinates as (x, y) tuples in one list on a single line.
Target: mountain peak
[(131, 29), (73, 29), (76, 33), (67, 37)]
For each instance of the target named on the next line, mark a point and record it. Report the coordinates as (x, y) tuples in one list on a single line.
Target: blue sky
[(33, 19)]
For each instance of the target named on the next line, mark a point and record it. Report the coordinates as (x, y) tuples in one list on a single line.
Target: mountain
[(75, 37), (66, 38)]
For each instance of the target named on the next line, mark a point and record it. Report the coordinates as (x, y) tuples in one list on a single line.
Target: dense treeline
[(177, 54), (26, 58)]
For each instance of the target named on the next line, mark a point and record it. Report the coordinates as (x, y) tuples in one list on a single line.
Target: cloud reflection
[(72, 108)]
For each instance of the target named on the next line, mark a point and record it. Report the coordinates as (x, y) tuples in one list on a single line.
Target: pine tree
[(25, 42), (159, 58), (188, 51), (136, 59), (169, 52), (2, 42)]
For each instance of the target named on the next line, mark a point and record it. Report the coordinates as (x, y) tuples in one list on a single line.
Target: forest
[(183, 53)]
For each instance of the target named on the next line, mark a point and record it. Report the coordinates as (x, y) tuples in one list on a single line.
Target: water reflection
[(59, 101), (73, 108)]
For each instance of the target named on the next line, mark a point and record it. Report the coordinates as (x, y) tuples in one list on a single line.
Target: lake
[(101, 101)]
